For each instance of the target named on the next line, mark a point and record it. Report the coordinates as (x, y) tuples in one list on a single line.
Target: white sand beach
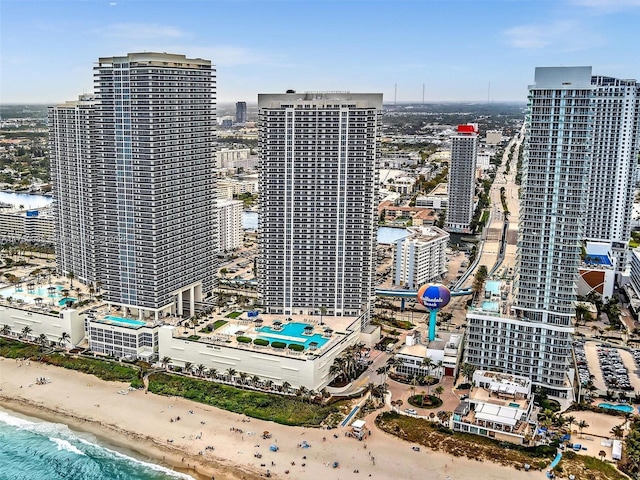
[(142, 423)]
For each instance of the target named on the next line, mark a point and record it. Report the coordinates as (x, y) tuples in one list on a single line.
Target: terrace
[(292, 335)]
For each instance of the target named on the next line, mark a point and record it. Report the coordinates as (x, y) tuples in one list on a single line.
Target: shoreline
[(176, 433), (145, 448)]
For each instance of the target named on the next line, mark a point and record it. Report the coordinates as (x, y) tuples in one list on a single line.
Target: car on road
[(410, 411)]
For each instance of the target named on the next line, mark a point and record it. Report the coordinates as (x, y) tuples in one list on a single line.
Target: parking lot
[(612, 368)]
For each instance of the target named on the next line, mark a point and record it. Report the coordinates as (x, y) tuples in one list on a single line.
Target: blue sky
[(454, 47)]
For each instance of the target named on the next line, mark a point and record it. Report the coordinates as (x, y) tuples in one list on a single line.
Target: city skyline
[(460, 51)]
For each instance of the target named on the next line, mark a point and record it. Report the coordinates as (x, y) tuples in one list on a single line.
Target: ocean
[(32, 449)]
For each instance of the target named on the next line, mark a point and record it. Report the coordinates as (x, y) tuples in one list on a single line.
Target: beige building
[(36, 225), (229, 216), (420, 258)]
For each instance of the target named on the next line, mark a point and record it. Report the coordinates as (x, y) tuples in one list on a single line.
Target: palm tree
[(428, 379), (268, 384), (255, 380), (323, 311), (581, 312), (427, 363), (213, 373), (187, 367), (231, 373), (200, 369), (467, 371), (617, 431), (42, 340), (582, 425), (285, 387), (165, 362), (243, 377), (64, 338), (26, 331), (602, 454), (6, 330), (439, 390), (413, 384), (570, 420), (71, 276), (302, 391)]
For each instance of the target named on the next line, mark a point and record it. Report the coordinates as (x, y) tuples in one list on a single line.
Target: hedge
[(242, 339), (279, 345), (261, 341)]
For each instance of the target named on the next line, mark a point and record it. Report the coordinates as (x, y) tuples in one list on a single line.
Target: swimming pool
[(29, 296), (493, 286), (124, 321), (488, 306), (63, 301), (291, 333), (620, 408)]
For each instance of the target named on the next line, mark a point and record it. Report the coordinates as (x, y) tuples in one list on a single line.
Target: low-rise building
[(36, 225), (402, 185), (437, 199), (445, 353), (123, 337), (494, 137), (390, 212), (61, 325), (499, 406), (232, 158), (420, 257), (262, 345), (597, 270), (229, 187)]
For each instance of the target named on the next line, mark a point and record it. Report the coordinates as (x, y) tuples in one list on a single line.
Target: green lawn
[(233, 314), (218, 323)]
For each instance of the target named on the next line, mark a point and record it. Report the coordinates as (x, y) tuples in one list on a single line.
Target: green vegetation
[(278, 345), (438, 437), (103, 369), (261, 342), (403, 324), (425, 401), (630, 464), (247, 198), (195, 338), (265, 406), (233, 315), (14, 349), (242, 339), (218, 323), (296, 347)]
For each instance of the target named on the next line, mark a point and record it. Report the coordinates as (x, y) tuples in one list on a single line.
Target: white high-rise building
[(73, 178), (147, 158), (616, 144), (534, 337), (229, 217), (319, 156), (420, 258), (462, 179)]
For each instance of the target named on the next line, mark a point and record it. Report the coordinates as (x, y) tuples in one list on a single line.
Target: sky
[(460, 50)]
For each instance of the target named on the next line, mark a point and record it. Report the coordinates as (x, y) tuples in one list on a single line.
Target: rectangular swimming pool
[(292, 333), (127, 322), (490, 306), (493, 286)]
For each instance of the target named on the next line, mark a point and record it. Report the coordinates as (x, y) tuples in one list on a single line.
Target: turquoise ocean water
[(32, 449)]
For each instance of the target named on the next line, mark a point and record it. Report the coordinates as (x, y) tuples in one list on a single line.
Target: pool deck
[(226, 334)]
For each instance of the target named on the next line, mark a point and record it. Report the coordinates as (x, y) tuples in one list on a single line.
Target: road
[(492, 234)]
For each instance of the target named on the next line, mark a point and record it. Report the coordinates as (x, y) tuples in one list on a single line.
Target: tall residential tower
[(149, 159), (533, 338), (616, 144), (318, 175), (462, 179)]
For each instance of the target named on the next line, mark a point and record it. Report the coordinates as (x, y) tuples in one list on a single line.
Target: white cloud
[(140, 31), (561, 35)]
